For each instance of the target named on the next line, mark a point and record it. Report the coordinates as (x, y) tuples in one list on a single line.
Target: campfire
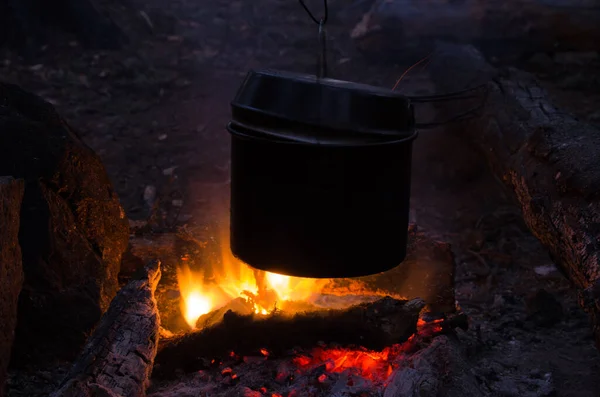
[(250, 332), (247, 332), (256, 333), (104, 292)]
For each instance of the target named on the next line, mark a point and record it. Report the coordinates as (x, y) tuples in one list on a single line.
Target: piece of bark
[(73, 229), (118, 357), (11, 268), (548, 158), (408, 29), (371, 325)]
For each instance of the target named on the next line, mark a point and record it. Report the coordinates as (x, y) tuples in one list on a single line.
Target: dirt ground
[(155, 112)]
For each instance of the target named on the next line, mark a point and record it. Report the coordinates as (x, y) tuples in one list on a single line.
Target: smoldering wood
[(371, 325), (11, 267), (549, 159), (118, 358), (408, 29)]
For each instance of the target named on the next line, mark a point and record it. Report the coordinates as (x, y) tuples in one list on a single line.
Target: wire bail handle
[(322, 58)]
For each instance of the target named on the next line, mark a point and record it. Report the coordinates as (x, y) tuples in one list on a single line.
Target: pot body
[(319, 211)]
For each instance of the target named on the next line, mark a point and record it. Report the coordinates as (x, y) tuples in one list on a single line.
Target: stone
[(11, 269), (73, 229)]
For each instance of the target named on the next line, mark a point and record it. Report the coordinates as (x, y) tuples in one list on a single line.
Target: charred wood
[(371, 325), (118, 358), (549, 159)]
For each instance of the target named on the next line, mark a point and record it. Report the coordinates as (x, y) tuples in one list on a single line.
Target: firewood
[(549, 159), (117, 359), (371, 325)]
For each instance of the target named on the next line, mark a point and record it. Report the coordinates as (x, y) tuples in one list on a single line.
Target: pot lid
[(304, 107)]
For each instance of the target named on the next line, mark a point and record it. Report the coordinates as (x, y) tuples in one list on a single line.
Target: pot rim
[(231, 129)]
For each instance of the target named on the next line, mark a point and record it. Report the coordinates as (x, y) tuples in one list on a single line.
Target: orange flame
[(234, 279)]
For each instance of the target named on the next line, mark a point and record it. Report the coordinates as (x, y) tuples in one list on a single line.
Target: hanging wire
[(322, 62), (312, 16), (448, 96), (454, 96), (458, 95), (322, 57)]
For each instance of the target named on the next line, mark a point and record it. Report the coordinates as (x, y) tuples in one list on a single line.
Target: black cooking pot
[(320, 175)]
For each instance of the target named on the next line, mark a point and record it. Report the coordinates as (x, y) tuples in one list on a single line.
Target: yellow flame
[(233, 279), (195, 306), (290, 288), (279, 283), (196, 298)]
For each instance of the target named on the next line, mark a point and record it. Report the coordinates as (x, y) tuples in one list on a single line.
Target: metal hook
[(322, 64), (322, 58), (311, 15)]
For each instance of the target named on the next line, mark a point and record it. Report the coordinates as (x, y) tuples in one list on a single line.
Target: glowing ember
[(429, 328), (372, 365)]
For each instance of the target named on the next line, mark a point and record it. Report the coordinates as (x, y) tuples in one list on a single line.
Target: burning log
[(11, 268), (117, 359), (371, 325), (548, 158), (427, 273)]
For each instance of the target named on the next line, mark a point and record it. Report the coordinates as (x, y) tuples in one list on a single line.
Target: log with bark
[(118, 358), (548, 158), (371, 325)]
